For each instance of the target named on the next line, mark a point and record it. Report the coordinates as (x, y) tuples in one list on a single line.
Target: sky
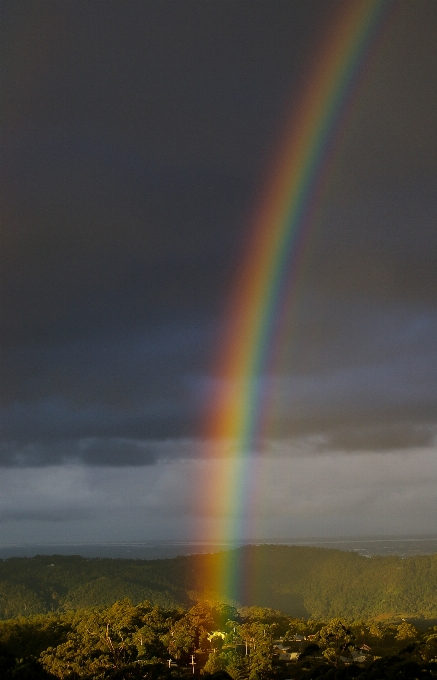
[(136, 138)]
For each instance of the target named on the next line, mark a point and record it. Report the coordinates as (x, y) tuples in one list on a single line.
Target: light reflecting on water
[(152, 550)]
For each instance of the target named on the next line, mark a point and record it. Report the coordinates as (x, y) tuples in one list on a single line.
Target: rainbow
[(268, 278)]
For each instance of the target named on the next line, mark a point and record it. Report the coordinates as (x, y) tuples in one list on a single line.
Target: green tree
[(406, 631), (296, 627), (181, 638), (258, 643), (217, 661), (334, 639), (376, 632), (152, 628), (428, 647), (97, 643)]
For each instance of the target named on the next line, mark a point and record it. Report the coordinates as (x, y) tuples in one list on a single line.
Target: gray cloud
[(97, 451), (359, 387), (48, 514), (333, 494), (400, 435)]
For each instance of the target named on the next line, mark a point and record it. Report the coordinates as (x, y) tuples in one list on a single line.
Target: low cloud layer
[(121, 452), (367, 381), (98, 451), (335, 494)]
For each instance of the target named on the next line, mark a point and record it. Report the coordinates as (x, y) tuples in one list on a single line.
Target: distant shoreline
[(403, 546)]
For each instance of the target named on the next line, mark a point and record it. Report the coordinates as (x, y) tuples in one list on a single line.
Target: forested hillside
[(210, 640), (303, 582)]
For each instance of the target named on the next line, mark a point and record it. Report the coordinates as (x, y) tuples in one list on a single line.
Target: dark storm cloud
[(132, 370), (95, 451), (105, 242), (133, 141)]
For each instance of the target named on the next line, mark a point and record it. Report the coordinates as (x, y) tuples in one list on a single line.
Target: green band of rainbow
[(267, 281)]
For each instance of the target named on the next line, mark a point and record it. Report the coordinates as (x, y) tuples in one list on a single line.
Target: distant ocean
[(404, 546)]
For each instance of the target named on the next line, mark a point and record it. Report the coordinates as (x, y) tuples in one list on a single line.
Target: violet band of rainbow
[(274, 261)]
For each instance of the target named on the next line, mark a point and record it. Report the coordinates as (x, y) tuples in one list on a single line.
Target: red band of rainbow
[(267, 280)]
